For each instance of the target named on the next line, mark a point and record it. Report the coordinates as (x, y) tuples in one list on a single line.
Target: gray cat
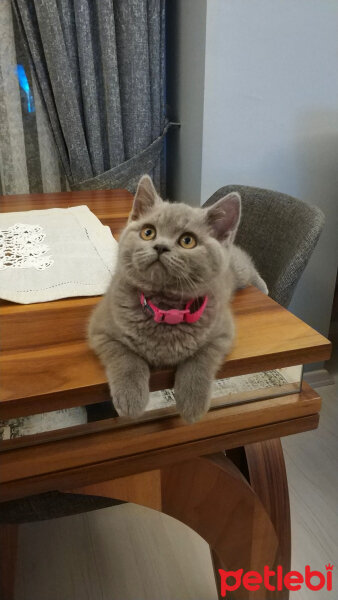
[(172, 254)]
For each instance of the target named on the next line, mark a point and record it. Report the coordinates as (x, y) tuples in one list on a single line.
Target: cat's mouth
[(157, 261)]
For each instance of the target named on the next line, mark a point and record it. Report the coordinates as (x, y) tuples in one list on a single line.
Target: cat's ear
[(223, 217), (145, 198)]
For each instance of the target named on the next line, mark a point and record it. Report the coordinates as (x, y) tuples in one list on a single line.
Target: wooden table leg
[(238, 503), (267, 475), (263, 466), (8, 552), (211, 495)]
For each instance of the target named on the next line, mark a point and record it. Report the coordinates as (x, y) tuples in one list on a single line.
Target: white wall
[(270, 117), (186, 28)]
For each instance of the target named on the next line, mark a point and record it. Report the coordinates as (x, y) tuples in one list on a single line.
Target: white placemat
[(55, 253)]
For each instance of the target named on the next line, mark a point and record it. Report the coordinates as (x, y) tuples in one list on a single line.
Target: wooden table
[(237, 502)]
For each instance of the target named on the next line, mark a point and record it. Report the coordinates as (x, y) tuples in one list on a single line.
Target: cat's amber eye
[(148, 232), (188, 241)]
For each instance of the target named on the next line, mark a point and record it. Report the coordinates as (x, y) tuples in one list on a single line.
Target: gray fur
[(244, 270), (125, 336)]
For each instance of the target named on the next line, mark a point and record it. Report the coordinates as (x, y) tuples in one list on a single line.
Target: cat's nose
[(160, 248)]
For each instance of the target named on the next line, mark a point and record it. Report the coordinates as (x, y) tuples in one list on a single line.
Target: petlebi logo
[(276, 580)]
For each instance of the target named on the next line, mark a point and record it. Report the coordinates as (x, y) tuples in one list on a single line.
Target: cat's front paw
[(192, 414), (192, 400), (131, 398)]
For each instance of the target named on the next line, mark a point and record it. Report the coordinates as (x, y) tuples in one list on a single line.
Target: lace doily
[(54, 253), (21, 247)]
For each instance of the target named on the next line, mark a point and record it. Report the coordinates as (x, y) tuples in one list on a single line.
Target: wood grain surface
[(46, 363), (268, 479), (110, 206), (141, 488), (45, 344), (210, 495), (96, 452)]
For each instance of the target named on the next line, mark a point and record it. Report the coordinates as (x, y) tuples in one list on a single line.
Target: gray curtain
[(29, 161), (99, 67)]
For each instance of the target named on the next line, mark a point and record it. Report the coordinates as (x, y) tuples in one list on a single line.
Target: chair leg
[(8, 553), (210, 495)]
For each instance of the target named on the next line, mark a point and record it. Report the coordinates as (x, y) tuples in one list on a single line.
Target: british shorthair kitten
[(172, 258)]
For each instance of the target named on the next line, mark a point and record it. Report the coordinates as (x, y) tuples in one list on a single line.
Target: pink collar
[(174, 316)]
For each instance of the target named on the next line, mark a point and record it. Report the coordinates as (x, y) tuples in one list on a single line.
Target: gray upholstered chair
[(279, 232)]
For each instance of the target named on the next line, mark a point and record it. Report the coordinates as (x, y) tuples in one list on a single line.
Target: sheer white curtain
[(28, 156)]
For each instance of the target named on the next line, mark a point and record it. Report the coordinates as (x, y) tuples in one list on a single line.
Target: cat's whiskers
[(179, 281), (181, 277), (188, 282), (144, 258), (175, 264)]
